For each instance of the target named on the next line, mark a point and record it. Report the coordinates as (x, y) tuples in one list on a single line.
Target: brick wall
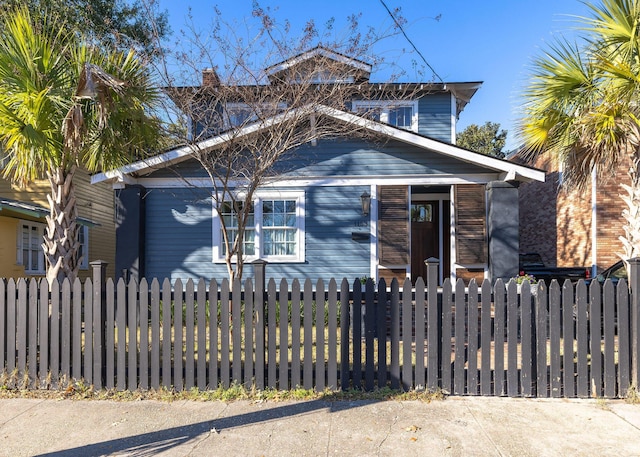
[(568, 241)]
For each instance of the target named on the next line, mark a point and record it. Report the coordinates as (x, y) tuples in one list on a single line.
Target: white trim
[(373, 233), (322, 52), (385, 106), (327, 181), (502, 167), (41, 268)]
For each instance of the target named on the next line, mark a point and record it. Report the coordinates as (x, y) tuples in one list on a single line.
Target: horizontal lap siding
[(435, 117), (356, 158), (178, 236)]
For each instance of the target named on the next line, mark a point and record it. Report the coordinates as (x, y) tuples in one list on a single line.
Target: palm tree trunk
[(631, 214), (61, 242)]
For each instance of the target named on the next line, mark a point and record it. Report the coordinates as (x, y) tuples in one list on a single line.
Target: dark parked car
[(531, 264)]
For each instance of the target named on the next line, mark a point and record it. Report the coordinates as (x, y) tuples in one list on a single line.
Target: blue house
[(347, 206)]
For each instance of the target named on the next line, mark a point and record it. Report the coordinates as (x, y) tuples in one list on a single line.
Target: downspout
[(594, 224)]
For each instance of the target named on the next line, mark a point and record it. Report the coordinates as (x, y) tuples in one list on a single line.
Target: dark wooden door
[(425, 236)]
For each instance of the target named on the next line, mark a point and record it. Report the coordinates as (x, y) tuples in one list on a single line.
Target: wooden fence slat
[(320, 368), (460, 339), (189, 320), (595, 315), (110, 335), (236, 318), (356, 329), (167, 302), (33, 332), (447, 336), (369, 334), (54, 353), (65, 330), (624, 352), (407, 335), (87, 326), (155, 334), (513, 334), (178, 338), (582, 335), (382, 329), (248, 334), (132, 337), (608, 321), (295, 334), (307, 374), (420, 336), (272, 301), (568, 339), (433, 327), (43, 332), (283, 374), (224, 334), (542, 335), (527, 362), (345, 325), (212, 370), (201, 301), (472, 339), (554, 339), (121, 335), (21, 329), (76, 339), (143, 313), (500, 325), (259, 305), (332, 343), (485, 338)]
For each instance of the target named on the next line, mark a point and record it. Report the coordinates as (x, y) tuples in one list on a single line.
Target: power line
[(410, 42)]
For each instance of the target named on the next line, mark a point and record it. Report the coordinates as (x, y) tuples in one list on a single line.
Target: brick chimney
[(210, 77)]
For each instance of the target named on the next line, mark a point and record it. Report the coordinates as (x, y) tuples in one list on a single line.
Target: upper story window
[(83, 252), (239, 114), (274, 229), (400, 113)]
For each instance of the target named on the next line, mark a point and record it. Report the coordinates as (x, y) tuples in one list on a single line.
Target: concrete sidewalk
[(457, 426)]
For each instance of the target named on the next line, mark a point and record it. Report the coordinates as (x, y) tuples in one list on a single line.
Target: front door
[(425, 236)]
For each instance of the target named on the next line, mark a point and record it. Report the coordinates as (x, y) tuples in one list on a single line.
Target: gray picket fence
[(497, 339)]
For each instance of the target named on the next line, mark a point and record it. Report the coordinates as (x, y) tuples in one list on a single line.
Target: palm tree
[(65, 104), (581, 106)]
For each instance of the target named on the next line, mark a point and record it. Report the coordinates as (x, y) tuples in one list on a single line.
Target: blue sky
[(493, 41)]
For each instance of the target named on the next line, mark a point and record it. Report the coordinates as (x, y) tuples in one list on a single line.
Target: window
[(403, 114), (239, 114), (274, 230), (30, 253)]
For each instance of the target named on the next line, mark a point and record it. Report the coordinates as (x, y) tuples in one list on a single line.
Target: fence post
[(433, 324), (259, 273), (634, 284), (99, 322)]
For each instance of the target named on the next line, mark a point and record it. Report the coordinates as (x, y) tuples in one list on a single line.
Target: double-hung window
[(83, 251), (274, 230), (399, 113), (30, 252)]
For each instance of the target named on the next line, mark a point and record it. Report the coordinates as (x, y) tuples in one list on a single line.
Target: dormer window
[(239, 114), (399, 113)]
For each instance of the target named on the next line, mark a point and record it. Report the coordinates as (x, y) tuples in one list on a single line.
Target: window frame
[(259, 198), (40, 228), (385, 106), (251, 117), (84, 245)]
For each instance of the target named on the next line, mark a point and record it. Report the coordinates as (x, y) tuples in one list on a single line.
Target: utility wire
[(409, 40)]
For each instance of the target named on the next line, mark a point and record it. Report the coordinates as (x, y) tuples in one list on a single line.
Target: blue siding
[(356, 158), (435, 117), (179, 237), (178, 234)]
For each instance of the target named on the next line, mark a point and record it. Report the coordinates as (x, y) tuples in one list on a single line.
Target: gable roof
[(362, 69), (509, 170)]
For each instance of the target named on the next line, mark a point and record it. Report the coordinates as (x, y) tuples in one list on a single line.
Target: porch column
[(503, 229), (130, 220)]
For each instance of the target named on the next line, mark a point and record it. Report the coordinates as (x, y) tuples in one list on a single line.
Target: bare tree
[(264, 93)]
